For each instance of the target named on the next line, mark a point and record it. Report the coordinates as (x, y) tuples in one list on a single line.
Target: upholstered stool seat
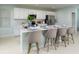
[(34, 37)]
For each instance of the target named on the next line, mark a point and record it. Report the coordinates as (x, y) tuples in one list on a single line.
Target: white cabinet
[(50, 13), (16, 13), (41, 15), (20, 13), (30, 11)]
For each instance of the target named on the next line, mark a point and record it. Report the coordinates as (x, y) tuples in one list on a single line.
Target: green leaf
[(30, 18)]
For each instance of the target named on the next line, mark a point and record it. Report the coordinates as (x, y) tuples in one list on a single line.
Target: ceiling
[(49, 7)]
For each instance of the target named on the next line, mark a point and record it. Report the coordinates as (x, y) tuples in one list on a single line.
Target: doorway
[(73, 20)]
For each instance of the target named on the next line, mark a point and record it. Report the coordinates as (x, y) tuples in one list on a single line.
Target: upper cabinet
[(30, 11), (50, 13), (22, 13), (41, 15)]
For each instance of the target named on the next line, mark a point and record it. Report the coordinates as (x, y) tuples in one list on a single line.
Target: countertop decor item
[(30, 19)]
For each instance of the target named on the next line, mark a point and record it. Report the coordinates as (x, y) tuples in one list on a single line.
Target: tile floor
[(11, 45)]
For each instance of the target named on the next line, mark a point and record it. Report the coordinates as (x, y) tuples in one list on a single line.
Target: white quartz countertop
[(32, 29), (38, 28)]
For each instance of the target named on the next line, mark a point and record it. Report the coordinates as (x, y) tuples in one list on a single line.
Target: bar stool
[(34, 38), (70, 32), (50, 35), (62, 33)]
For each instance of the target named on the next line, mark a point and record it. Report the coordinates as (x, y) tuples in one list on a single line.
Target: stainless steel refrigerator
[(50, 20)]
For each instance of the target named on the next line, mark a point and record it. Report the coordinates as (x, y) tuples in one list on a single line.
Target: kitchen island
[(24, 36)]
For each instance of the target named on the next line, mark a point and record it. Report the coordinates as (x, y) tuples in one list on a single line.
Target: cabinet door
[(43, 14), (40, 15), (16, 13), (24, 13), (20, 13), (30, 11), (50, 13)]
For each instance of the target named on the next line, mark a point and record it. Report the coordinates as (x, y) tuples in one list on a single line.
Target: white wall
[(6, 17), (64, 16)]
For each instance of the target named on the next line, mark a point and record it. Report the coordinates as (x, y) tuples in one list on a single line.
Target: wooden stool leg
[(64, 40), (29, 48), (48, 45), (51, 42), (45, 42), (68, 38), (72, 38), (57, 41), (37, 45), (54, 43)]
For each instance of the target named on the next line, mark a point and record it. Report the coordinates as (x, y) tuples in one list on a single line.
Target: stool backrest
[(51, 33), (62, 31), (34, 36), (70, 30)]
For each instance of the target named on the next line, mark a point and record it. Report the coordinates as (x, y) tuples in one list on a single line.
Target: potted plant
[(30, 18)]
